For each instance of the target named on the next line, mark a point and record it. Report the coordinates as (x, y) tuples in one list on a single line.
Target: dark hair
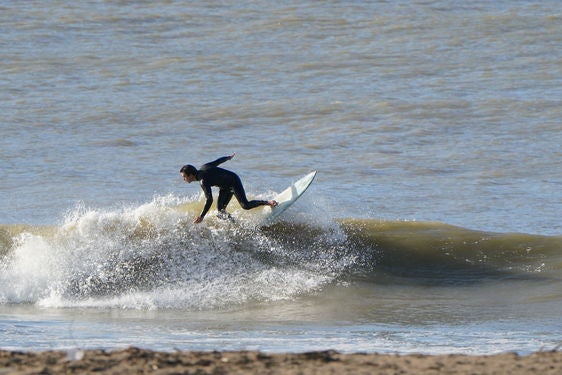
[(188, 169)]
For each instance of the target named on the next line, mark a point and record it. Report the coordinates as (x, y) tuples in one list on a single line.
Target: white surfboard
[(286, 198)]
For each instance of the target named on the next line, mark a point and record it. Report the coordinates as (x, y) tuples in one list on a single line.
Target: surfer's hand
[(198, 219), (231, 156)]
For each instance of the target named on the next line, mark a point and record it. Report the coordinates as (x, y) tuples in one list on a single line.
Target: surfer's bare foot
[(272, 203)]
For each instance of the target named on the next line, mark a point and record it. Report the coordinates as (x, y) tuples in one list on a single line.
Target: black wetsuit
[(229, 183)]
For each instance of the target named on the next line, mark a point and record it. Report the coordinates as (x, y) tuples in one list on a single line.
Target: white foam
[(151, 257)]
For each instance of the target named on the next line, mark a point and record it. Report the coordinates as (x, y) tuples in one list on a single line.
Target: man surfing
[(229, 183)]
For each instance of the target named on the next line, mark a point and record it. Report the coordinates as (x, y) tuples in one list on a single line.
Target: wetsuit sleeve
[(209, 198), (217, 162)]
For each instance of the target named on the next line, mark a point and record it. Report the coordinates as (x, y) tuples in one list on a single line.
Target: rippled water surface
[(442, 112)]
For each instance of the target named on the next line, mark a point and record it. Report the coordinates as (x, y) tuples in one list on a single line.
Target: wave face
[(445, 254), (152, 257)]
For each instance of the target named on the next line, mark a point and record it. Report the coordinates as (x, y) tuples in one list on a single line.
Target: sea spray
[(151, 256), (30, 271)]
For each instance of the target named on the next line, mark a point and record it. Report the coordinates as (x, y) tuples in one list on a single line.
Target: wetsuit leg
[(225, 195), (240, 195), (224, 198)]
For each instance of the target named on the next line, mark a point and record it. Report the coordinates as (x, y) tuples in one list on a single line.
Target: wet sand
[(140, 361)]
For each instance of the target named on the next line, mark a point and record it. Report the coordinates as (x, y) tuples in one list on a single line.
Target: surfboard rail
[(287, 198)]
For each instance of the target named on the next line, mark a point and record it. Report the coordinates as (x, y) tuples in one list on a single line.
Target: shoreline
[(141, 361)]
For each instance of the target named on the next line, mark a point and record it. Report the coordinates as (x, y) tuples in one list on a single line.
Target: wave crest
[(151, 256)]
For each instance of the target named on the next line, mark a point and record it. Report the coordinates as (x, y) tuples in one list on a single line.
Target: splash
[(152, 257)]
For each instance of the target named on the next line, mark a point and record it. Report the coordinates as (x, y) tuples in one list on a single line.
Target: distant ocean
[(433, 225)]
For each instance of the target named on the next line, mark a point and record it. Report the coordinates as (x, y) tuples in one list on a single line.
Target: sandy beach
[(139, 361)]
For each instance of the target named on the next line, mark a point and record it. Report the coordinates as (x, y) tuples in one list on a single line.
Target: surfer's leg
[(224, 198), (240, 195), (225, 195)]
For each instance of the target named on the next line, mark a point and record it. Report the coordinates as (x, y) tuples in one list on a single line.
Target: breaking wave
[(152, 257)]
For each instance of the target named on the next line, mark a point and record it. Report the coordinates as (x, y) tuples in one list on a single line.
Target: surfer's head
[(189, 173)]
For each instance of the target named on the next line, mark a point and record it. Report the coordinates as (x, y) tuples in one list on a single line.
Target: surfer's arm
[(208, 200), (219, 161)]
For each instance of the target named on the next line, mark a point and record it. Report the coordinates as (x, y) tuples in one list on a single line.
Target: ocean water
[(433, 225)]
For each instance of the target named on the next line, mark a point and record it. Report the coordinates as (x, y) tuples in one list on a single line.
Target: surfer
[(229, 183)]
